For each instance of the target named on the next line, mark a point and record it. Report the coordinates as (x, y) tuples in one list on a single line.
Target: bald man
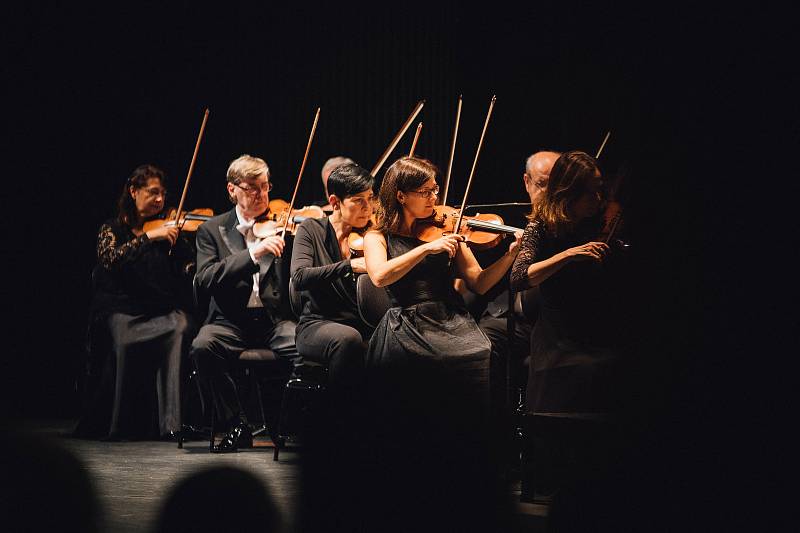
[(537, 174), (330, 165)]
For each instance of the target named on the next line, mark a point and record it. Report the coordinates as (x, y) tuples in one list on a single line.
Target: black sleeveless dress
[(428, 324)]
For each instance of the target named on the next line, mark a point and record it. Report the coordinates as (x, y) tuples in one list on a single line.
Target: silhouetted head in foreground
[(218, 499)]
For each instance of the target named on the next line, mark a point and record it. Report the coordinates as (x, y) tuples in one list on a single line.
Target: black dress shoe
[(238, 437)]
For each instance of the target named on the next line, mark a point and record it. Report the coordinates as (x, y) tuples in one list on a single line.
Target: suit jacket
[(225, 274)]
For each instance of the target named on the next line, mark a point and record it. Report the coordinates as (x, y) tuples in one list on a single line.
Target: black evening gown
[(428, 326), (139, 337)]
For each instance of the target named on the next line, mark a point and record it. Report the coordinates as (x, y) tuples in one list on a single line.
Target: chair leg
[(213, 416), (255, 384), (278, 442)]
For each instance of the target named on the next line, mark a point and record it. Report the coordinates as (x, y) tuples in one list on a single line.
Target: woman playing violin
[(330, 330), (136, 287), (560, 253), (429, 321)]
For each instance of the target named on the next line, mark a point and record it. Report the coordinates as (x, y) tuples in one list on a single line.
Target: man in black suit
[(240, 276)]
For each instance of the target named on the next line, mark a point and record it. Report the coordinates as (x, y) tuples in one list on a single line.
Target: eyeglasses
[(430, 193), (254, 191)]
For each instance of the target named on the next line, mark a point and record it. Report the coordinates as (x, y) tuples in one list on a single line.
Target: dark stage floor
[(133, 478)]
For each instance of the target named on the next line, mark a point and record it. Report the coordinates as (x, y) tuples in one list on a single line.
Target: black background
[(100, 92), (96, 91)]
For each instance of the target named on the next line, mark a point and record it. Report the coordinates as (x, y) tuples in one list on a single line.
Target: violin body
[(443, 222), (272, 223), (613, 223), (355, 241), (189, 220)]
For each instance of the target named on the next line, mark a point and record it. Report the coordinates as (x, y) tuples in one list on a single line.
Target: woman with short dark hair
[(330, 330), (136, 292)]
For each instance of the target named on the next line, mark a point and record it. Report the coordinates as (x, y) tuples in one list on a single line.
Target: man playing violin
[(240, 276)]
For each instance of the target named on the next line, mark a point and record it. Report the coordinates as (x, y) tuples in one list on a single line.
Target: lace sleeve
[(111, 254), (528, 251)]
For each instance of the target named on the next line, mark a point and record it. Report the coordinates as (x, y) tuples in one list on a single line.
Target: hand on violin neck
[(164, 233), (513, 248), (270, 245)]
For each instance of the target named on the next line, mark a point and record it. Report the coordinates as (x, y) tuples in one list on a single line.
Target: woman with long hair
[(428, 323), (560, 253), (136, 292)]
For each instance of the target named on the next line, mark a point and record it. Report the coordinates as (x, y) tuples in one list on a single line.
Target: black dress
[(572, 351), (135, 306), (428, 325)]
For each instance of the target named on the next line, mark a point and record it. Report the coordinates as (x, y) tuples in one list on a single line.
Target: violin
[(613, 214), (481, 231), (355, 241), (272, 222), (189, 221), (612, 222)]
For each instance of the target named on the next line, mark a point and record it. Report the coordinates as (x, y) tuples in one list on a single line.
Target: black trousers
[(217, 347), (342, 348), (496, 328)]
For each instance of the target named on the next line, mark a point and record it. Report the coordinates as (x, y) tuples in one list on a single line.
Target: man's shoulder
[(215, 221)]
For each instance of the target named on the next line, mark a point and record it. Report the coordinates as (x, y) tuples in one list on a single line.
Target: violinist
[(240, 276), (136, 293), (493, 320), (330, 165), (330, 330), (560, 253), (429, 322)]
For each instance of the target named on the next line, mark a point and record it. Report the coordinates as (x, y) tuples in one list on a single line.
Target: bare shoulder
[(376, 237)]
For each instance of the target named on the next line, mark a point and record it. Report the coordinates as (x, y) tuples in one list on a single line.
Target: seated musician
[(560, 253), (493, 320), (241, 276), (429, 322), (330, 330), (137, 283)]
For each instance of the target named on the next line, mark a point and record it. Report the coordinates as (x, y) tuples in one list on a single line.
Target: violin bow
[(416, 138), (397, 137), (189, 175), (474, 164), (302, 168), (452, 153), (602, 145)]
